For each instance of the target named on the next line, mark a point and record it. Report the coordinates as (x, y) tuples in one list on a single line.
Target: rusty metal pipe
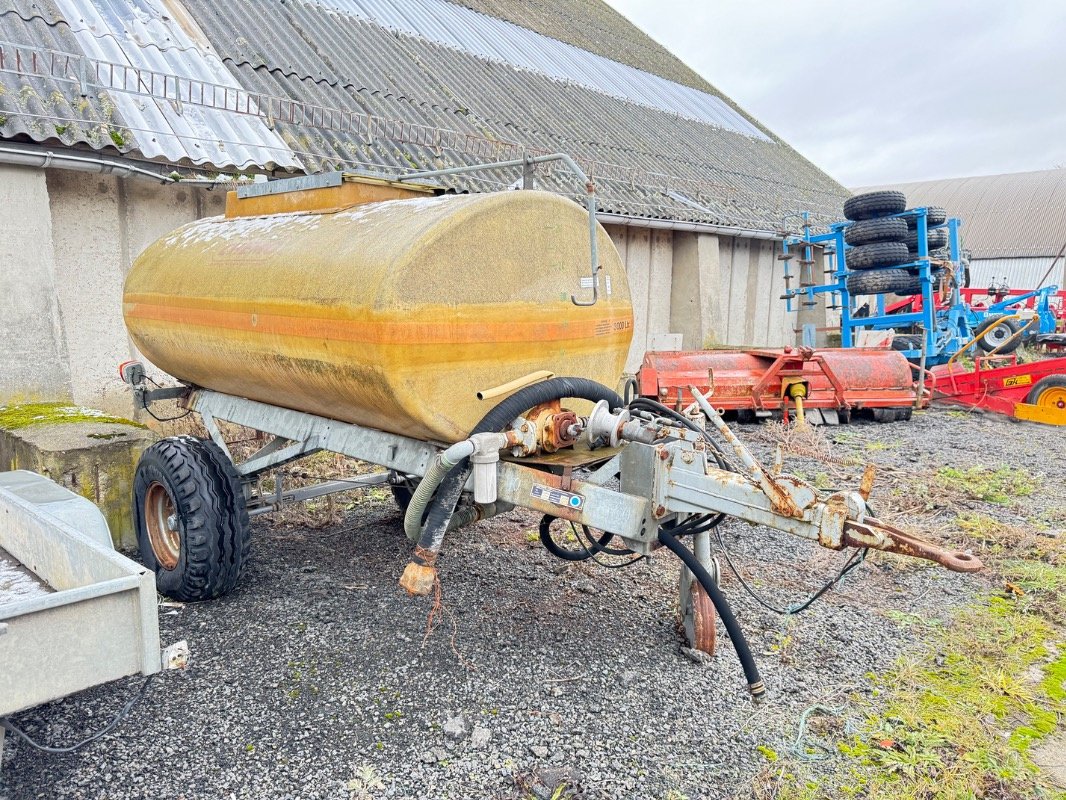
[(780, 499)]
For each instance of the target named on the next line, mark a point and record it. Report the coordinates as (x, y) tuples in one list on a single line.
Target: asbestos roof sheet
[(322, 55), (133, 58), (1017, 215), (312, 85), (597, 28), (491, 38)]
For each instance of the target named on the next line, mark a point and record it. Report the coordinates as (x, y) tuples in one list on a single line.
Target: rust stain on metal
[(867, 484), (882, 536)]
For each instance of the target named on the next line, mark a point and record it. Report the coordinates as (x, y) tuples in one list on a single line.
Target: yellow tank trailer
[(377, 320), (389, 314)]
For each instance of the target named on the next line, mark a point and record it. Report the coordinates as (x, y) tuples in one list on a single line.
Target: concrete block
[(88, 452), (87, 223), (739, 321), (696, 290), (660, 274)]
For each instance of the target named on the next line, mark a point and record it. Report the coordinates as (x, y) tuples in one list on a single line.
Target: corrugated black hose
[(721, 605), (442, 507)]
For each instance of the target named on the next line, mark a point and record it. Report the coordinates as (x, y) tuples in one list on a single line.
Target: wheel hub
[(161, 522)]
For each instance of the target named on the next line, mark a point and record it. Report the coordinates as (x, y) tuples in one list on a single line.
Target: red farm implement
[(1035, 391), (824, 385)]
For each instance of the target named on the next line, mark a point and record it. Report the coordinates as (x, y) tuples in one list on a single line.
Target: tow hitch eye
[(877, 535)]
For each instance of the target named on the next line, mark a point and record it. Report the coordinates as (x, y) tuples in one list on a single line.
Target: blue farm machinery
[(914, 256)]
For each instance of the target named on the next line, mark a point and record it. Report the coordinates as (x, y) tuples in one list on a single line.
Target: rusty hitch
[(878, 535)]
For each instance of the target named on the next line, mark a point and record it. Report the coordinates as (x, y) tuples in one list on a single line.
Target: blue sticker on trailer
[(556, 496)]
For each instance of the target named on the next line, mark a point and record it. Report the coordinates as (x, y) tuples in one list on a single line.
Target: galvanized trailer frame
[(659, 482), (99, 623)]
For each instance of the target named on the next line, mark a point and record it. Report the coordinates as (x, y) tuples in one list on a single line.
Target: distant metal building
[(1013, 225), (104, 103)]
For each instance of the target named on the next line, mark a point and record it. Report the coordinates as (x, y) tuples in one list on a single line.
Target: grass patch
[(13, 418), (955, 720), (999, 486)]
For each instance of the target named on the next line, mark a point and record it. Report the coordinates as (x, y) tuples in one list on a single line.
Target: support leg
[(698, 619)]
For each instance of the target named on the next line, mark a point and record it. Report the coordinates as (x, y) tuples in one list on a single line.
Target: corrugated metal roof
[(481, 35), (318, 55), (341, 91), (117, 50), (1015, 215)]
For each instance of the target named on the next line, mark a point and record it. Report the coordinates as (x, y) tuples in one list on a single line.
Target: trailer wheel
[(1049, 392), (878, 254), (869, 231), (192, 523), (698, 617), (994, 332), (874, 204)]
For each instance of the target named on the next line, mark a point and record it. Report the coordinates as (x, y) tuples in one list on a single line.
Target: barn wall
[(713, 290), (33, 358), (69, 243)]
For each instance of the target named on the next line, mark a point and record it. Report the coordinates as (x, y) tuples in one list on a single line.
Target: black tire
[(194, 481), (1042, 385), (870, 231), (874, 204), (940, 253), (402, 494), (996, 330), (906, 343), (937, 239), (880, 254), (900, 414), (934, 215), (881, 281)]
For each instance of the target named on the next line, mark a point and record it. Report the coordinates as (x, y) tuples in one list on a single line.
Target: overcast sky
[(884, 92)]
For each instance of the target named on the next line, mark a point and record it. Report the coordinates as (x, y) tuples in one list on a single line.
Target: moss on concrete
[(87, 451), (13, 418)]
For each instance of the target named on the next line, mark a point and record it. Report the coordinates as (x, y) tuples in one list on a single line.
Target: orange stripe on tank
[(388, 331)]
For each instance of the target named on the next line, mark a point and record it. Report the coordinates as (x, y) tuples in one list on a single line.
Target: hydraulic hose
[(443, 505), (423, 493), (721, 605)]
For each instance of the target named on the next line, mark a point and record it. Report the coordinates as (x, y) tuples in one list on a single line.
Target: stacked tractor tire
[(880, 243)]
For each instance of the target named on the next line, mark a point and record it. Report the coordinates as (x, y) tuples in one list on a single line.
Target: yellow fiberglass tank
[(391, 315)]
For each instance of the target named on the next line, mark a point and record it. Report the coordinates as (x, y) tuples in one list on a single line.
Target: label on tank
[(556, 496)]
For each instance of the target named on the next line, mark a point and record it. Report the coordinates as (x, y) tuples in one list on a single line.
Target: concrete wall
[(713, 290), (69, 239), (33, 358)]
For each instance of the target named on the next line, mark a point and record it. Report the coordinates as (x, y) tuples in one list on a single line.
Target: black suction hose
[(721, 605), (442, 506)]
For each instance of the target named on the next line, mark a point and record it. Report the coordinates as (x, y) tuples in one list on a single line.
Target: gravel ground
[(315, 679)]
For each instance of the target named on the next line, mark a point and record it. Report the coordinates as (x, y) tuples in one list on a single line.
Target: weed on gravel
[(963, 713)]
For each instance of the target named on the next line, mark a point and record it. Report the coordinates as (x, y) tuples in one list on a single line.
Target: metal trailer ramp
[(93, 616)]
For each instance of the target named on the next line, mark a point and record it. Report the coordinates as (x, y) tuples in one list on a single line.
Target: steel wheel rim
[(1053, 397), (998, 334), (159, 513)]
